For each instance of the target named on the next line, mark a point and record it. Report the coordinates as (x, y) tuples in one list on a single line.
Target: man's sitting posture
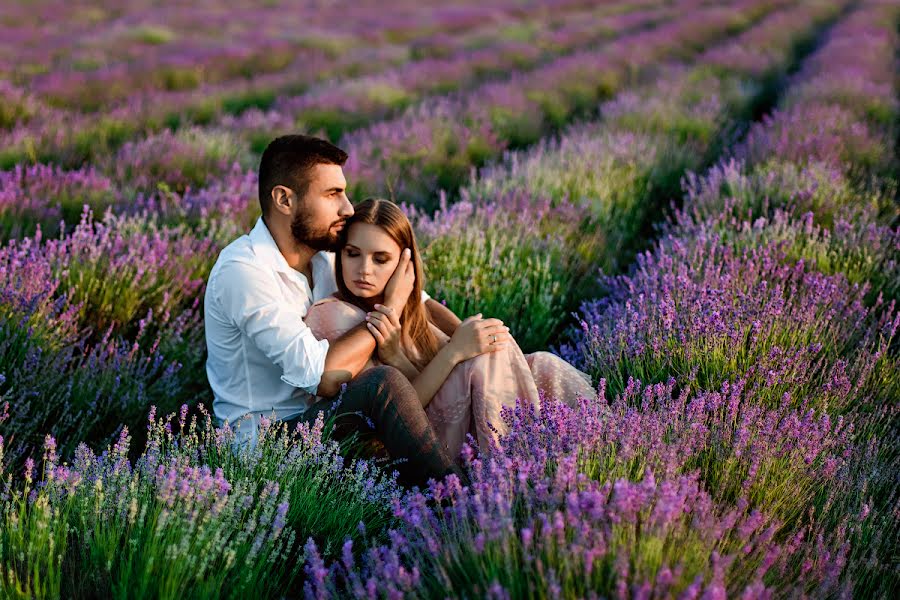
[(263, 358)]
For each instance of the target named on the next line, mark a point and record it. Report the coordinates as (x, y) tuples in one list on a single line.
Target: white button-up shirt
[(261, 355)]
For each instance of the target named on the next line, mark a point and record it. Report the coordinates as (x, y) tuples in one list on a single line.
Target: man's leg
[(382, 397)]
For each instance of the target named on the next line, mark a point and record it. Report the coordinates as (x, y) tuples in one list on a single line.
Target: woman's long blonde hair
[(414, 320)]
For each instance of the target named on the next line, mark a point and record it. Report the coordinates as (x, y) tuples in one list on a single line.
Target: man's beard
[(318, 240)]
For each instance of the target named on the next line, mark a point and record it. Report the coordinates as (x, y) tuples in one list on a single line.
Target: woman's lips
[(363, 284)]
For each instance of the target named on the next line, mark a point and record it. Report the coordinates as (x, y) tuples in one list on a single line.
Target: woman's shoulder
[(325, 300), (335, 297), (336, 303), (330, 317)]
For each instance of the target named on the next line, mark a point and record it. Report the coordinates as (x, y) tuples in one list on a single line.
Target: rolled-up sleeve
[(247, 295)]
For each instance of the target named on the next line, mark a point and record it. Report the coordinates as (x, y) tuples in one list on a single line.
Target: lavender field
[(694, 201)]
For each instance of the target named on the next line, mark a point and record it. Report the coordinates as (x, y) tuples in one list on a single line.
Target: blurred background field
[(694, 201)]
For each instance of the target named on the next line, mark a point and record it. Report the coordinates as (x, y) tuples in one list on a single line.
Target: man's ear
[(282, 199)]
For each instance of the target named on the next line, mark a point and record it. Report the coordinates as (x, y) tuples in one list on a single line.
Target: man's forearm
[(345, 359), (442, 317)]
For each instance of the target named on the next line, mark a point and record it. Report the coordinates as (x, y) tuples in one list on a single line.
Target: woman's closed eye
[(352, 254)]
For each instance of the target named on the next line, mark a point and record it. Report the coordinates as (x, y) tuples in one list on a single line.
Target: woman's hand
[(476, 336), (401, 283), (384, 324)]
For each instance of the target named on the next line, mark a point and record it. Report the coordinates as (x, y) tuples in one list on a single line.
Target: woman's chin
[(364, 292)]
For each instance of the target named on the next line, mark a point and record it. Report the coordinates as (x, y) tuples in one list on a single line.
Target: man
[(263, 358)]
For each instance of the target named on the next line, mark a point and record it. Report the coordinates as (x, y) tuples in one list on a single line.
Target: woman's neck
[(369, 303)]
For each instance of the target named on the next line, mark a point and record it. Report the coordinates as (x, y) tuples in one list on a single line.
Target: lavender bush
[(704, 311), (812, 213), (517, 257), (43, 196), (99, 323), (192, 516), (186, 158), (596, 500)]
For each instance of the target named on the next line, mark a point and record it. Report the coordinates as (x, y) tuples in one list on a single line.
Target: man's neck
[(298, 256)]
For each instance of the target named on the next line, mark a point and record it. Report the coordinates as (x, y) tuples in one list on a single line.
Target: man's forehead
[(327, 176)]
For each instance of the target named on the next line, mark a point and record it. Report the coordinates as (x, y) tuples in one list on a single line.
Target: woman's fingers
[(495, 333), (379, 338), (378, 321), (498, 329), (406, 266), (390, 313), (489, 324), (382, 319), (500, 339)]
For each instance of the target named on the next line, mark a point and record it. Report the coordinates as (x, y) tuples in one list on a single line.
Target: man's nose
[(346, 210)]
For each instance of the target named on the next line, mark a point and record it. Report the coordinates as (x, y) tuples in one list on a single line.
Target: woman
[(463, 380)]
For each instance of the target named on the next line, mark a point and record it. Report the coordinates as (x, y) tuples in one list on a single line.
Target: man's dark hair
[(288, 160)]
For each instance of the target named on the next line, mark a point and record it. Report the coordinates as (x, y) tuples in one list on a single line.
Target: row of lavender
[(111, 309), (779, 277), (334, 108), (42, 133), (212, 151), (538, 504), (481, 122), (434, 145), (116, 53)]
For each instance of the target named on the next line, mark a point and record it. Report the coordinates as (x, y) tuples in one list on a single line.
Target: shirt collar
[(265, 248)]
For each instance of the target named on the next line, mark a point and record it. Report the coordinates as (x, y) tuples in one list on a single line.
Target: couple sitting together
[(322, 293)]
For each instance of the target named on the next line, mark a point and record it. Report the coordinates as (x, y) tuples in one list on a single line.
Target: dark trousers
[(382, 401)]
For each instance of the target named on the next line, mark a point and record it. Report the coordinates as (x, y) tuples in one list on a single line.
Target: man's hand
[(400, 285)]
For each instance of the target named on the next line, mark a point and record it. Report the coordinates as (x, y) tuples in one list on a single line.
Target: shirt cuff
[(308, 378), (425, 296)]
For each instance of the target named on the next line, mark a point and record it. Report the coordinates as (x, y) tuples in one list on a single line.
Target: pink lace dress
[(476, 390)]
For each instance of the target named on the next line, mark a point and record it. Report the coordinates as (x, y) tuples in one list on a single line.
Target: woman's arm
[(442, 317), (386, 327), (432, 377), (472, 337), (405, 366)]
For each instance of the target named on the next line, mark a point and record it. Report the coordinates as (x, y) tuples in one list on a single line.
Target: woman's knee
[(477, 363)]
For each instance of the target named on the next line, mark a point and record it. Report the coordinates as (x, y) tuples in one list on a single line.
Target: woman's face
[(370, 256)]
